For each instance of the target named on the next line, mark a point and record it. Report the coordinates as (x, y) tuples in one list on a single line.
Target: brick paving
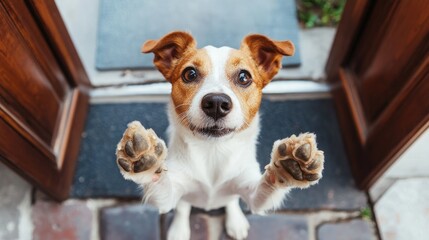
[(131, 222), (73, 219), (285, 226), (95, 219), (203, 226), (68, 221)]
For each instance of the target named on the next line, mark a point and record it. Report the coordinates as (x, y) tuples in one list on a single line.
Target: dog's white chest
[(212, 168), (209, 199), (212, 172)]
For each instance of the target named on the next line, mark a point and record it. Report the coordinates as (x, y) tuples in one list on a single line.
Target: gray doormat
[(124, 25), (97, 174)]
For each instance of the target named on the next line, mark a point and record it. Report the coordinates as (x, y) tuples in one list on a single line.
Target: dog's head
[(217, 91)]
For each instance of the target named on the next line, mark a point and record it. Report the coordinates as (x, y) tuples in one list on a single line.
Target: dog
[(213, 128)]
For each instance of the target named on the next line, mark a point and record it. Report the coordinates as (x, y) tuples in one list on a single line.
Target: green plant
[(366, 213), (313, 13)]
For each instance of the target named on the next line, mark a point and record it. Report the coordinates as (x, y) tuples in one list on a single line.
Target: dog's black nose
[(216, 105)]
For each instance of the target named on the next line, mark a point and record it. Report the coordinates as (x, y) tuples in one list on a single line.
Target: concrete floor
[(402, 212), (401, 195), (15, 205)]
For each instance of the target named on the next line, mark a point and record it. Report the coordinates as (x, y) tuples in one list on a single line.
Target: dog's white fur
[(210, 173)]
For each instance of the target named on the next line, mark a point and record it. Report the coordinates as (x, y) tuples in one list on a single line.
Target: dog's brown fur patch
[(169, 50), (249, 97), (182, 93), (267, 54)]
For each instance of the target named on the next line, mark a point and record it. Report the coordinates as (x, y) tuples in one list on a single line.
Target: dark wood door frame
[(49, 168), (373, 145)]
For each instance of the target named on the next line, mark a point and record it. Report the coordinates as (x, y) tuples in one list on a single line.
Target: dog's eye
[(244, 78), (190, 74)]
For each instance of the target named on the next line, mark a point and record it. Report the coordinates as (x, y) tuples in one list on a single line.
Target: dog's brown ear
[(168, 50), (267, 54)]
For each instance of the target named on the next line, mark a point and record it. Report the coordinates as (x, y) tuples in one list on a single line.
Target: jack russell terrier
[(213, 131)]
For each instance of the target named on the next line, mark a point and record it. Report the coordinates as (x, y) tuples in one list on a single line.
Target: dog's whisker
[(183, 118), (182, 105)]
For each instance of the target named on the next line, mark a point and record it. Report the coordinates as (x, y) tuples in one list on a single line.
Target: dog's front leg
[(295, 163), (141, 158)]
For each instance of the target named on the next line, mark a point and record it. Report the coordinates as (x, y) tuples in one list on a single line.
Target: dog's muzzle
[(216, 105)]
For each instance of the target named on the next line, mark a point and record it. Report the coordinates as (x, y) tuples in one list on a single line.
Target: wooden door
[(379, 73), (43, 95)]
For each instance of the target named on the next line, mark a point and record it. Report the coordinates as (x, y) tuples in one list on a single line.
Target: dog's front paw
[(295, 162), (140, 154)]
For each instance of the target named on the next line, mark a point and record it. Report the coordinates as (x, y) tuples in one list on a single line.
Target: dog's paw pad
[(292, 167), (303, 152), (282, 150), (129, 149), (144, 163), (140, 150), (125, 164), (316, 164), (137, 144), (140, 143), (296, 161), (159, 149)]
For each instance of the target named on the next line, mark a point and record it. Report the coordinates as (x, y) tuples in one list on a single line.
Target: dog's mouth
[(214, 131)]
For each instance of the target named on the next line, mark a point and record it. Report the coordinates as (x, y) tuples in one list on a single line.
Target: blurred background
[(72, 76)]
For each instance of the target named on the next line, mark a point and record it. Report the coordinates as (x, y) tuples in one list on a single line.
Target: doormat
[(124, 25), (97, 175)]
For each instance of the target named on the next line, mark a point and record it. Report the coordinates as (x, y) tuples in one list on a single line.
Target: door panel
[(42, 105), (390, 48), (380, 81), (32, 35), (26, 90)]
